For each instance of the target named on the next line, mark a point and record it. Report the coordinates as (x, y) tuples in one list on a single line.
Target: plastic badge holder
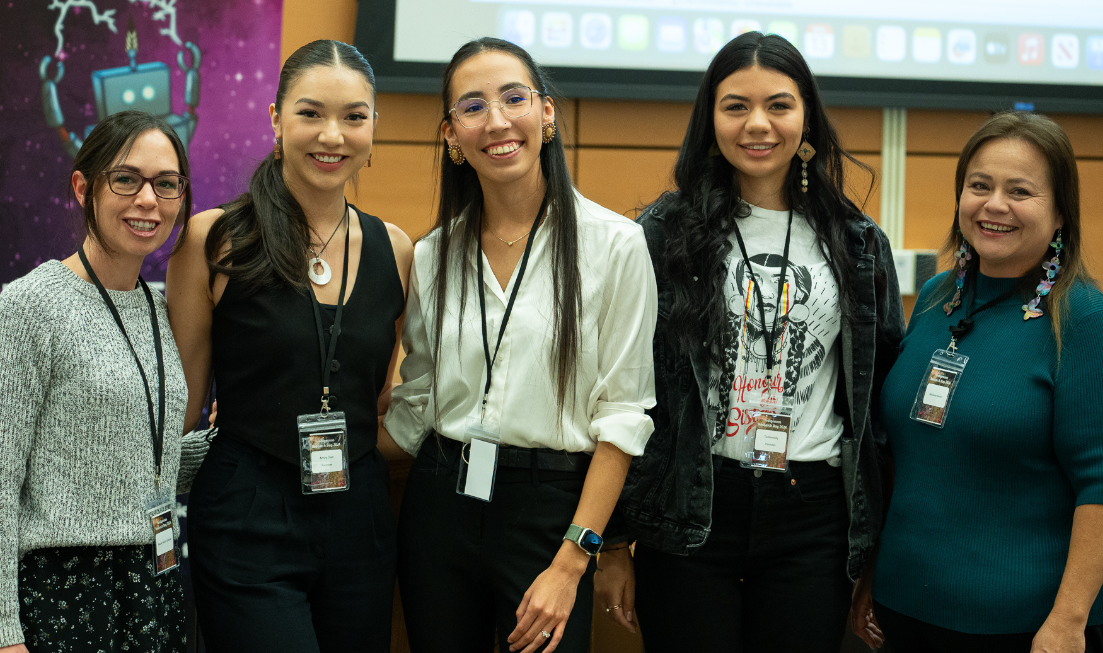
[(323, 452), (936, 391), (478, 462)]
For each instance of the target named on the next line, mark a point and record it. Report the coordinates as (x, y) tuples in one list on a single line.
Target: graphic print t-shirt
[(805, 343)]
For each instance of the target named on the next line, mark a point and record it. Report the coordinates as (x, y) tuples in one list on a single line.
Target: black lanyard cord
[(512, 296), (965, 325), (327, 359), (768, 334), (156, 424)]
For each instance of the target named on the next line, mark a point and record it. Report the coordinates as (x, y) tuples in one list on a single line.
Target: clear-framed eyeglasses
[(128, 182), (514, 103)]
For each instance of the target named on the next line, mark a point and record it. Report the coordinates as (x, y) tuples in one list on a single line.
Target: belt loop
[(534, 457)]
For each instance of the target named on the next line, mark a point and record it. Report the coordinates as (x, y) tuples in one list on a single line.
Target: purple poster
[(210, 67)]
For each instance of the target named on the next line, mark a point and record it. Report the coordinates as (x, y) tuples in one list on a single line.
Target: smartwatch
[(586, 539)]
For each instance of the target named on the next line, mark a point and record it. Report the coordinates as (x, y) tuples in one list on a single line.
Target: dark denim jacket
[(667, 499)]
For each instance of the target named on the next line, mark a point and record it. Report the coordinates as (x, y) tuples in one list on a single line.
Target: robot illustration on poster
[(143, 86)]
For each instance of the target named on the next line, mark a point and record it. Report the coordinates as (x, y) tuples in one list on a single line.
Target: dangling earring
[(1052, 267), (549, 132), (963, 256), (805, 152), (276, 150), (456, 154), (368, 165), (714, 149)]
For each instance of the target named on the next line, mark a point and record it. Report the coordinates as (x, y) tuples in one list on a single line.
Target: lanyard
[(768, 334), (328, 363), (964, 326), (156, 430), (512, 297)]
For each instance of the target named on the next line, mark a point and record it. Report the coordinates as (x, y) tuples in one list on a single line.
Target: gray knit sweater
[(76, 459)]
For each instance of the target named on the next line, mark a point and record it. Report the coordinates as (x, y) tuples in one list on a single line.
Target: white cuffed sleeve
[(410, 416)]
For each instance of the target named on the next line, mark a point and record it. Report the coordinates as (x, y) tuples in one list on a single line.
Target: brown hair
[(1053, 144)]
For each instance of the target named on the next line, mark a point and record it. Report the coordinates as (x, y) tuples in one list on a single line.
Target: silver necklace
[(316, 261)]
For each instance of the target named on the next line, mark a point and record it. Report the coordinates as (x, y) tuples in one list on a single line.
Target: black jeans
[(465, 564), (275, 570), (903, 634), (770, 577)]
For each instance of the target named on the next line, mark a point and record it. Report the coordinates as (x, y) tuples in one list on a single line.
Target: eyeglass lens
[(124, 182), (514, 103)]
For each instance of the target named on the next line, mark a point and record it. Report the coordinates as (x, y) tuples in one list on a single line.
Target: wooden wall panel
[(859, 128), (941, 132), (1085, 132), (634, 124), (858, 184), (407, 117), (399, 187), (1091, 214), (928, 200), (624, 180), (305, 21)]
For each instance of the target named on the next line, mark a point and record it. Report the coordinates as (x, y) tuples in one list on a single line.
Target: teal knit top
[(978, 528)]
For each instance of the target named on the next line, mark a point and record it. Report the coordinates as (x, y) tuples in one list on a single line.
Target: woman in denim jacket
[(759, 496)]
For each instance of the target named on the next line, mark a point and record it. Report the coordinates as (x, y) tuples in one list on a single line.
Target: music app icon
[(1031, 47)]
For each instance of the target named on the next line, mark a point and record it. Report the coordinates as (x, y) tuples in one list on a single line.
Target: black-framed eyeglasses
[(514, 103), (128, 182)]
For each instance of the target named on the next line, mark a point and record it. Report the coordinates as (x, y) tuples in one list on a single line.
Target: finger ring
[(612, 607), (546, 634)]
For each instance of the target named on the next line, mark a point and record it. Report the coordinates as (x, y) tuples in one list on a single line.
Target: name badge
[(323, 452), (770, 429), (478, 461), (936, 390), (162, 518)]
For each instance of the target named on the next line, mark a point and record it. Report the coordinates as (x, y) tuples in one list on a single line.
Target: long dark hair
[(703, 214), (266, 228), (113, 137), (1053, 144), (461, 194)]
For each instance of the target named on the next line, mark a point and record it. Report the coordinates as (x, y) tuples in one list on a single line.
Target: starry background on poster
[(239, 42)]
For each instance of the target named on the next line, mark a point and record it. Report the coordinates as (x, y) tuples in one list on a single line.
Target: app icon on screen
[(595, 31), (1065, 51), (633, 32), (1030, 49), (519, 26), (783, 28), (1093, 55), (708, 35), (856, 42), (892, 43), (671, 34), (995, 48), (961, 46), (819, 41), (555, 28), (744, 26), (927, 45)]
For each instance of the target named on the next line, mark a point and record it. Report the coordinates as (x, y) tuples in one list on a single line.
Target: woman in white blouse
[(520, 460)]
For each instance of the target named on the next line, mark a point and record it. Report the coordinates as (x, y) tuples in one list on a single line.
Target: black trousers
[(275, 570), (903, 634), (771, 576), (465, 564)]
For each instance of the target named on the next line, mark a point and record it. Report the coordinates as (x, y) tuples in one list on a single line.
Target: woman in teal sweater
[(994, 535)]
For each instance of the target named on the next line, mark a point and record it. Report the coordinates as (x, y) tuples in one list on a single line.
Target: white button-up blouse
[(615, 380)]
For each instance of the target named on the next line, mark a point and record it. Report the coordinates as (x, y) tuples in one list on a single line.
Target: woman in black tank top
[(292, 299)]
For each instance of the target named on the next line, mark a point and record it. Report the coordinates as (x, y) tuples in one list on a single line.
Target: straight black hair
[(111, 139), (703, 214), (461, 195), (266, 228)]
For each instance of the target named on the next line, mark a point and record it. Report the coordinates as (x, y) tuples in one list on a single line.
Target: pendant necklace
[(510, 242), (323, 277)]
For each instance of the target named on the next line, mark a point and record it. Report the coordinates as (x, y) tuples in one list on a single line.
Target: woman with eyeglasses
[(527, 374), (92, 399), (290, 300)]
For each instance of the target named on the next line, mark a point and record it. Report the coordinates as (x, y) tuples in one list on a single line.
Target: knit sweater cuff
[(11, 633), (193, 449)]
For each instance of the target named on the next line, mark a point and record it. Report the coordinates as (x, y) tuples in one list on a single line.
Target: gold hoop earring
[(805, 152), (456, 154), (548, 133)]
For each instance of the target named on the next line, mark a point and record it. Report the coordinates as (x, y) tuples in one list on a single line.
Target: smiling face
[(503, 150), (136, 225), (1007, 210), (326, 124), (758, 117)]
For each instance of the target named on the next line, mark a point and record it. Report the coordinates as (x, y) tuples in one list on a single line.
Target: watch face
[(590, 542)]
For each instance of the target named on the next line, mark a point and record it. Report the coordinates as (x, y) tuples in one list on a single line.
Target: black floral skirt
[(93, 599)]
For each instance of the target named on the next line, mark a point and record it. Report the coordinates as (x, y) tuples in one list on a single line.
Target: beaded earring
[(456, 154), (805, 152), (963, 256), (1052, 267), (548, 132)]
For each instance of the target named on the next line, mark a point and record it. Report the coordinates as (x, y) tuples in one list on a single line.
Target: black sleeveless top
[(265, 354)]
